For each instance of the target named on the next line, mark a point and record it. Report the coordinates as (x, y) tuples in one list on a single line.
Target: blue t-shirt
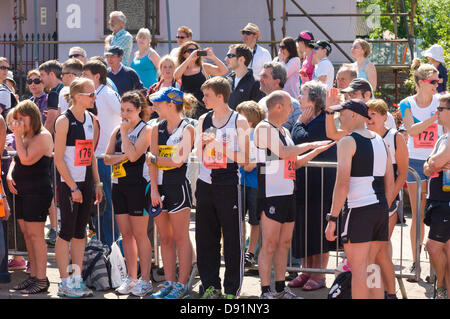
[(250, 178)]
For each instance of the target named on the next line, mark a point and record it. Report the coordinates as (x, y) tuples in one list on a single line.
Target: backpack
[(96, 270), (342, 286)]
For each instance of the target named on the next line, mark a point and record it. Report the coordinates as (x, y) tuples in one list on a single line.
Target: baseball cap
[(114, 50), (306, 36), (436, 52), (170, 94), (324, 45), (252, 28), (357, 106), (358, 84)]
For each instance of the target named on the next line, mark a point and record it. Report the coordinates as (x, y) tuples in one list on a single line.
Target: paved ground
[(251, 283)]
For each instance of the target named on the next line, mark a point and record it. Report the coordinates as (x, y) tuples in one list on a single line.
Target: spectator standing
[(193, 72), (120, 37), (419, 115), (166, 78), (51, 74), (78, 53), (250, 35), (437, 203), (288, 57), (7, 96), (345, 75), (305, 46), (34, 147), (273, 78), (366, 70), (184, 34), (38, 95), (310, 127), (71, 69), (146, 59), (108, 114), (244, 87), (323, 68), (435, 55), (125, 78)]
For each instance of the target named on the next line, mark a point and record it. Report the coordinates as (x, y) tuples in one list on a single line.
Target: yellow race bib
[(167, 151), (118, 170)]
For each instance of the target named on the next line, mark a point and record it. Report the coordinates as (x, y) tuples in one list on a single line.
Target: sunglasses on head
[(76, 55), (91, 94), (4, 67), (231, 55), (247, 32), (35, 81), (432, 82), (441, 108)]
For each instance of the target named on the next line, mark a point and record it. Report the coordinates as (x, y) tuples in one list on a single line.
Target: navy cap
[(114, 50), (170, 94), (357, 106), (324, 45), (358, 84)]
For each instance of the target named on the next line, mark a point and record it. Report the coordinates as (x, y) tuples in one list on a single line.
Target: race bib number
[(167, 151), (289, 168), (428, 138), (84, 150), (213, 159), (118, 170)]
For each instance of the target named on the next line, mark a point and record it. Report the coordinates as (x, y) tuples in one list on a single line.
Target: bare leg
[(270, 235), (358, 259), (180, 226), (129, 244), (139, 226)]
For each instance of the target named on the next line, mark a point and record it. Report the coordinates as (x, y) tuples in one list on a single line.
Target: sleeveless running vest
[(367, 172), (273, 172), (168, 146), (129, 172), (435, 191)]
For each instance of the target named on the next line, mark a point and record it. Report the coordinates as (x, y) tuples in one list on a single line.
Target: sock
[(265, 289), (279, 286)]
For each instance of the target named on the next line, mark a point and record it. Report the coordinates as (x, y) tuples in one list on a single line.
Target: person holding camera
[(193, 72)]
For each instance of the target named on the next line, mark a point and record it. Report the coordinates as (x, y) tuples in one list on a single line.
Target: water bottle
[(446, 181)]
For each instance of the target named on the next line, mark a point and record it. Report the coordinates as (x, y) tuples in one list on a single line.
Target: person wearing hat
[(171, 143), (435, 55), (357, 89), (124, 77), (7, 96), (366, 191), (305, 46), (323, 68), (250, 35)]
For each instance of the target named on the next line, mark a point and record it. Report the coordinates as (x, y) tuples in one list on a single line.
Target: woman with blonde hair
[(419, 114), (146, 59), (34, 145), (366, 69), (166, 79)]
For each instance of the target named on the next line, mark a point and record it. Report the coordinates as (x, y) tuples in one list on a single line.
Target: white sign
[(74, 19), (43, 15)]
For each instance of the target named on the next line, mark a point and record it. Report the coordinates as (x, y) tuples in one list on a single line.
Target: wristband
[(76, 189), (331, 218), (98, 184)]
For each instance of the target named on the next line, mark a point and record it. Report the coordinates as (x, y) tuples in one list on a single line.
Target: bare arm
[(330, 126), (416, 128), (155, 58), (61, 129), (135, 151), (50, 121), (219, 68), (389, 180), (372, 76), (439, 160), (110, 157), (401, 158)]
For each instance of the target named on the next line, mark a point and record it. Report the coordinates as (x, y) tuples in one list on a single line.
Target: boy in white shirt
[(324, 70)]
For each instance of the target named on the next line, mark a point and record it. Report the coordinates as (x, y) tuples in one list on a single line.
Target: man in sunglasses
[(7, 97), (244, 87), (78, 53), (71, 69), (250, 35), (324, 70), (437, 215), (184, 34)]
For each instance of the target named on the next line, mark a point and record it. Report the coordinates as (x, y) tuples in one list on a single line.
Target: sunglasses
[(441, 108), (432, 82), (247, 32), (4, 67), (282, 46), (91, 95), (74, 55), (180, 37), (35, 81), (190, 50), (231, 55)]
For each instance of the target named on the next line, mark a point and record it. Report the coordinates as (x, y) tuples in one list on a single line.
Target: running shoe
[(67, 290), (441, 293), (249, 259), (212, 293), (127, 285), (287, 294), (269, 295), (178, 291), (142, 288), (86, 291), (164, 291), (17, 265), (50, 237), (230, 296)]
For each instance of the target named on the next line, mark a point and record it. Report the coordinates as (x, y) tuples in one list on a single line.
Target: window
[(139, 13)]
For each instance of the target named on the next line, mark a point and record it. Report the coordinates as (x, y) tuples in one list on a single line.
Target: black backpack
[(342, 286)]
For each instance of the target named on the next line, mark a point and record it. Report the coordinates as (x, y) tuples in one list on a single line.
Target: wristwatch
[(331, 218), (152, 158)]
